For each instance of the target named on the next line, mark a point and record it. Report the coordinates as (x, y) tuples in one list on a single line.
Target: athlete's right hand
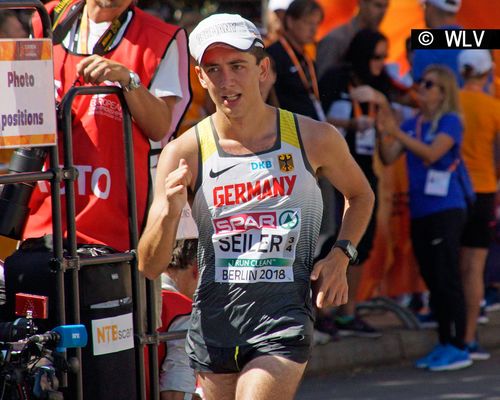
[(176, 188)]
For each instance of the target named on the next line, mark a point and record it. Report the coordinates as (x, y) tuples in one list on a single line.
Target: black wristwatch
[(349, 250)]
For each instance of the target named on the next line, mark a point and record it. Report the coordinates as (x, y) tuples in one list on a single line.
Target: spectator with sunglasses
[(431, 141), (340, 89)]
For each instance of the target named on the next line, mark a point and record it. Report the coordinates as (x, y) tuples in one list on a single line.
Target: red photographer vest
[(99, 156)]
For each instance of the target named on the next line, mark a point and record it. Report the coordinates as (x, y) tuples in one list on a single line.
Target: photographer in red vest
[(112, 43)]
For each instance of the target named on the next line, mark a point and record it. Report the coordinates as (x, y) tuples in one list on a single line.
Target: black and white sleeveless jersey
[(258, 217)]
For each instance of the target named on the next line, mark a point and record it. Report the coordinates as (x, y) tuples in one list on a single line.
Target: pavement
[(396, 345)]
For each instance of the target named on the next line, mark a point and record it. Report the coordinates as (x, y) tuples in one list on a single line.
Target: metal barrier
[(71, 175)]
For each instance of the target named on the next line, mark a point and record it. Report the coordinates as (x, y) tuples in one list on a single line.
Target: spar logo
[(239, 223)]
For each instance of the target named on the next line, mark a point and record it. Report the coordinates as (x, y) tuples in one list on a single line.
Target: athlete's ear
[(264, 66), (199, 73)]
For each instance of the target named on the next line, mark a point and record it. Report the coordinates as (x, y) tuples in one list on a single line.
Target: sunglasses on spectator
[(428, 84), (379, 57)]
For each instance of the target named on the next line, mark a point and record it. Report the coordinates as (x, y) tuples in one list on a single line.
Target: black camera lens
[(28, 159), (14, 197), (20, 329)]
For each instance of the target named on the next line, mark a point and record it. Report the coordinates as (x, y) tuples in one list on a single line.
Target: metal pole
[(69, 179), (137, 279)]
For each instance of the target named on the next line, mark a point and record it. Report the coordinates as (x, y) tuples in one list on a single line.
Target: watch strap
[(349, 250)]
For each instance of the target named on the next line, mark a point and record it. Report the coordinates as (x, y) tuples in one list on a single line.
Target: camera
[(19, 329), (31, 364), (14, 197)]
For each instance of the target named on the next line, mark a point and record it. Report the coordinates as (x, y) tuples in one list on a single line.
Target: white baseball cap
[(230, 29), (279, 4), (446, 5), (479, 60)]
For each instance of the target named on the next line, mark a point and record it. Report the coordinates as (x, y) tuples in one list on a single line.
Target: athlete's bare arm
[(329, 156), (176, 172)]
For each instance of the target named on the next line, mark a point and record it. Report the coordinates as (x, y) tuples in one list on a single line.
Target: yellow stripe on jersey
[(207, 142), (288, 128)]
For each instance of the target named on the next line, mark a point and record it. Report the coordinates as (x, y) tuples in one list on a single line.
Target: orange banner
[(27, 140), (21, 50)]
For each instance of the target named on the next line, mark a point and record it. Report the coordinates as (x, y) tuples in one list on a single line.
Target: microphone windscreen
[(71, 336)]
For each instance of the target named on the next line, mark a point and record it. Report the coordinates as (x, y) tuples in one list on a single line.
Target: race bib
[(437, 183), (256, 246)]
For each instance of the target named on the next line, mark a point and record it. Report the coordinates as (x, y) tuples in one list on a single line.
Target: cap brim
[(238, 44)]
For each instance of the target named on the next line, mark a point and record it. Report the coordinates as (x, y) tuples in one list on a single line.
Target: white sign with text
[(27, 104)]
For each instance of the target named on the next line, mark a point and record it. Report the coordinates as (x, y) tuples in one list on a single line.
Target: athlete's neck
[(249, 129)]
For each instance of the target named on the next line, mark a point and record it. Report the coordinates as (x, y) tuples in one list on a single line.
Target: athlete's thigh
[(269, 378), (218, 386)]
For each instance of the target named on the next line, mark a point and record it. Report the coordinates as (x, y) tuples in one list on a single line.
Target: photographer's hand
[(152, 114), (96, 69)]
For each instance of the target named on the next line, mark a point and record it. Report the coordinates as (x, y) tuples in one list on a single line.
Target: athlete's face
[(232, 78)]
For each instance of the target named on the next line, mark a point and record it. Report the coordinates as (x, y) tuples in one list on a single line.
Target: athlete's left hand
[(331, 279), (96, 69)]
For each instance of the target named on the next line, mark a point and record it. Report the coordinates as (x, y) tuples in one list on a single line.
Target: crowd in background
[(442, 118)]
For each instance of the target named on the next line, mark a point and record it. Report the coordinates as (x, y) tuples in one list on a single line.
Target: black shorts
[(227, 360), (479, 229)]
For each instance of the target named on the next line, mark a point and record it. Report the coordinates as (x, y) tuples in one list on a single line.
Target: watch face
[(352, 251), (134, 80)]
